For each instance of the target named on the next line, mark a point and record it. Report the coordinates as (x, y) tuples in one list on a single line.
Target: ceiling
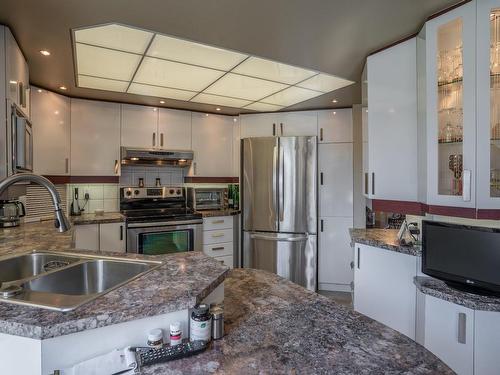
[(331, 36)]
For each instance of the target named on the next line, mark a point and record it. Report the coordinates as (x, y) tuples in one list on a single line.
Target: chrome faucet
[(61, 222)]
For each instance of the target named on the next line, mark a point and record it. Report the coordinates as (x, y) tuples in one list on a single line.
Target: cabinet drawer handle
[(274, 129), (154, 139), (373, 183), (161, 139), (462, 328), (366, 183), (359, 258), (352, 265), (217, 235), (121, 232), (321, 134), (281, 128), (66, 165), (218, 222), (322, 227), (218, 248)]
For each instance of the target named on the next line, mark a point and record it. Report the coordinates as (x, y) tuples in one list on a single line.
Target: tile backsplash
[(169, 176), (101, 196)]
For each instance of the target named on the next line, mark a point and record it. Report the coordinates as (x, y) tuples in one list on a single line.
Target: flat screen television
[(465, 257)]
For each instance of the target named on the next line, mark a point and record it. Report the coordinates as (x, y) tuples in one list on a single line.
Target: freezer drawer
[(292, 256)]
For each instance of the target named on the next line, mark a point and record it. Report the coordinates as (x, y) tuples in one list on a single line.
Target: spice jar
[(217, 321), (175, 334), (155, 338), (200, 323)]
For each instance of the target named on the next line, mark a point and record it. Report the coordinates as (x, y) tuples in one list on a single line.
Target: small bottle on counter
[(217, 321), (175, 334), (200, 323), (155, 338), (236, 196), (230, 196)]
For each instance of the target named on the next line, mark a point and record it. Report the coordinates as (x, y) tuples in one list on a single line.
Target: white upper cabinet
[(174, 129), (17, 74), (212, 145), (259, 125), (335, 125), (450, 107), (50, 117), (488, 104), (95, 138), (392, 124), (139, 126), (298, 124)]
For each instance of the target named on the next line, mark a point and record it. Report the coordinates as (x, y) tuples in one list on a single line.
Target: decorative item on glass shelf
[(456, 166)]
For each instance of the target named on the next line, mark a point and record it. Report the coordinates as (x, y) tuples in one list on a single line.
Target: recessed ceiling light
[(235, 119), (63, 88), (162, 101), (334, 113), (334, 101), (154, 109), (217, 109), (45, 52), (206, 114)]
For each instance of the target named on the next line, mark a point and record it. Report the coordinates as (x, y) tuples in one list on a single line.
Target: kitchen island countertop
[(276, 327)]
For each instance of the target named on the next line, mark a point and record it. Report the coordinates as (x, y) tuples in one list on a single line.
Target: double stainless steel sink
[(64, 281)]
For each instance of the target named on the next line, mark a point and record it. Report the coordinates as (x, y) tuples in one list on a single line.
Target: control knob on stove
[(136, 192), (171, 191), (178, 192), (128, 193)]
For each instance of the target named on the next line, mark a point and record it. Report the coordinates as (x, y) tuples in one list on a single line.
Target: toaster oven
[(207, 198)]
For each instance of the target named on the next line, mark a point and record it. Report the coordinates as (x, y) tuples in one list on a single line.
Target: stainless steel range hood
[(145, 156)]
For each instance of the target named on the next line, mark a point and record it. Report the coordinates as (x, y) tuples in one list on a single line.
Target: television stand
[(472, 289)]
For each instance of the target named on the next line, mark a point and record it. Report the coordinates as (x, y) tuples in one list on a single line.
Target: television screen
[(463, 254)]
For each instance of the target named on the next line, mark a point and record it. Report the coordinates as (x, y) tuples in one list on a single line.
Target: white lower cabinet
[(486, 342), (218, 238), (100, 237), (335, 254), (384, 288), (449, 334)]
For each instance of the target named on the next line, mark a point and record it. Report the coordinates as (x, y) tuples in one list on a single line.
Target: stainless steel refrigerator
[(279, 204)]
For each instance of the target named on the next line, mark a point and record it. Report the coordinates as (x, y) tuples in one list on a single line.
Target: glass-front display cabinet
[(450, 107), (488, 104)]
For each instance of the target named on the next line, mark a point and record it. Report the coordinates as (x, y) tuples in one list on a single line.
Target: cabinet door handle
[(321, 134), (218, 222), (366, 183), (194, 168), (462, 328), (161, 139), (359, 258), (217, 235), (274, 129), (121, 232), (66, 167), (322, 226), (321, 178), (154, 139), (466, 178), (281, 128), (373, 183), (218, 248), (116, 166), (352, 265)]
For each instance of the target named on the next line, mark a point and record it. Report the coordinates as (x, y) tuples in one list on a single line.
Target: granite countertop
[(275, 326), (182, 281), (383, 238), (213, 213), (439, 289), (107, 217), (40, 235)]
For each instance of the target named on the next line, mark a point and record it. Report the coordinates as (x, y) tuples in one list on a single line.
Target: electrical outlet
[(86, 196)]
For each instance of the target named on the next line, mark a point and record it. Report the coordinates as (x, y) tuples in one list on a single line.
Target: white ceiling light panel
[(115, 36), (160, 92), (237, 86), (102, 84), (175, 49), (106, 63), (290, 96), (274, 71), (175, 75), (125, 59), (220, 100), (325, 83)]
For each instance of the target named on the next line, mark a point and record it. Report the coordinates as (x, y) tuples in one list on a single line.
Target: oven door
[(164, 238)]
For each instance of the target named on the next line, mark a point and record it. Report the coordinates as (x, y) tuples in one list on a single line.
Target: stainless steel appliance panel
[(259, 175), (292, 256), (297, 184)]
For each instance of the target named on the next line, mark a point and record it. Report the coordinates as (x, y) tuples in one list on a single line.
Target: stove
[(159, 221)]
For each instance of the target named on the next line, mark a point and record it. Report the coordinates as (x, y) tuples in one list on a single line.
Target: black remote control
[(169, 353)]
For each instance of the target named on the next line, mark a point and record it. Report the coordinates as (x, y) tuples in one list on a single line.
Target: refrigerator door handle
[(281, 189), (254, 236), (275, 172)]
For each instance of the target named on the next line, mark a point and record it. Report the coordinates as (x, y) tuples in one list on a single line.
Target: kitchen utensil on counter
[(75, 209), (11, 211)]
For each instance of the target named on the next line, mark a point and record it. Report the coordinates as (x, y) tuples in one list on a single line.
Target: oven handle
[(163, 223)]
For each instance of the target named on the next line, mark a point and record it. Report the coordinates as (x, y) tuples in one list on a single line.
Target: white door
[(174, 129), (450, 107), (298, 124), (259, 125), (95, 138), (383, 287), (488, 104), (335, 125), (335, 254), (139, 126), (449, 334), (112, 237), (486, 342), (392, 118), (212, 145), (335, 162), (50, 117)]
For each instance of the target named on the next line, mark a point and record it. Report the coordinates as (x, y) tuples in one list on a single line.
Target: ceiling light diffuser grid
[(121, 58)]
